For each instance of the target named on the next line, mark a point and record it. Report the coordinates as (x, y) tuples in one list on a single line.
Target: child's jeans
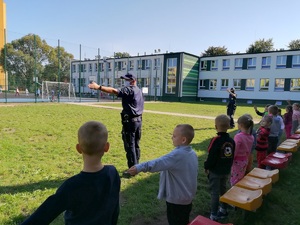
[(217, 185)]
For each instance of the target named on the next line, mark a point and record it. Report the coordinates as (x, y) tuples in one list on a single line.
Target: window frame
[(281, 61), (264, 84), (250, 84), (225, 64), (213, 84), (171, 75), (279, 86), (224, 84), (295, 88), (251, 63), (296, 61), (267, 63), (237, 83)]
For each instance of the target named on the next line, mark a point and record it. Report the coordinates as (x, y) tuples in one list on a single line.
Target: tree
[(214, 51), (31, 56), (58, 58), (261, 45), (294, 44), (122, 55)]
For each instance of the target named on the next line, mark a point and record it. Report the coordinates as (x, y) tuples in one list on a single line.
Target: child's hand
[(132, 170), (255, 107), (207, 172)]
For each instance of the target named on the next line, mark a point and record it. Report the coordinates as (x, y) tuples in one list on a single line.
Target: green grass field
[(37, 153)]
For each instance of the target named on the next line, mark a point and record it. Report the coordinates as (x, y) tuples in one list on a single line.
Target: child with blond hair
[(90, 197), (218, 164), (243, 144), (178, 177)]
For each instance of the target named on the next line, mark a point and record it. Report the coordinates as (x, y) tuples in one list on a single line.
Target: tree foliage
[(294, 44), (215, 51), (31, 56), (261, 45), (122, 55)]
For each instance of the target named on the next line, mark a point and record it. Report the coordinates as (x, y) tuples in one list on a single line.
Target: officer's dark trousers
[(230, 113), (131, 135)]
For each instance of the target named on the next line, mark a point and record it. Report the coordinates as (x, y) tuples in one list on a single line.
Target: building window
[(124, 65), (101, 66), (279, 84), (131, 65), (214, 65), (147, 64), (281, 61), (203, 65), (296, 61), (118, 66), (171, 75), (201, 84), (266, 62), (74, 68), (224, 84), (139, 64), (226, 64), (96, 67), (90, 67), (157, 63), (238, 64), (237, 84), (250, 84), (213, 84), (81, 82), (109, 66), (295, 84), (251, 63), (83, 67), (264, 84)]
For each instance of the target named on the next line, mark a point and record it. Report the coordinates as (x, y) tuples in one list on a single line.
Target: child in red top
[(262, 135), (243, 143)]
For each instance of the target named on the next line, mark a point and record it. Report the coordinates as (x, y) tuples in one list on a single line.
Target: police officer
[(231, 106), (131, 115)]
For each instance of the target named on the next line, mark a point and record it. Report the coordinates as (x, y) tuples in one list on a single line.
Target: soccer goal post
[(53, 91)]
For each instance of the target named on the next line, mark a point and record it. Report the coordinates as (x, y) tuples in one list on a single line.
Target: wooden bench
[(243, 198), (288, 147), (254, 183), (261, 173), (295, 141), (201, 220)]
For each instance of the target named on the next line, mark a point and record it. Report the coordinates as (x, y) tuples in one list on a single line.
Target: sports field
[(37, 153)]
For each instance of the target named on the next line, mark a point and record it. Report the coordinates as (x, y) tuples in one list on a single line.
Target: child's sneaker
[(222, 215), (213, 217)]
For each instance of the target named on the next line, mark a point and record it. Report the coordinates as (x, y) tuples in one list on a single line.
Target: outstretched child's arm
[(132, 170)]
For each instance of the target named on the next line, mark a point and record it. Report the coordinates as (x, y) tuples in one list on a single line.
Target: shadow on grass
[(31, 187)]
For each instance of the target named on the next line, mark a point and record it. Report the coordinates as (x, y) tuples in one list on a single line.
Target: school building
[(261, 77), (166, 77), (2, 41), (257, 78)]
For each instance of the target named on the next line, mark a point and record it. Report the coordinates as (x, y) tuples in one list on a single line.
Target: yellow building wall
[(2, 40)]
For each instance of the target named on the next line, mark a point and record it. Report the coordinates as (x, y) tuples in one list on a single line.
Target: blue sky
[(139, 26)]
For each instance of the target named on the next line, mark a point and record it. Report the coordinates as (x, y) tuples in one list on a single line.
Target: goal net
[(52, 90)]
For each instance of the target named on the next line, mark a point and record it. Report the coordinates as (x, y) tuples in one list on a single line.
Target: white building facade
[(260, 77), (166, 77), (107, 72)]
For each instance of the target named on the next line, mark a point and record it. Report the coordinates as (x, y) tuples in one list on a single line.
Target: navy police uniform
[(231, 107), (131, 115)]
